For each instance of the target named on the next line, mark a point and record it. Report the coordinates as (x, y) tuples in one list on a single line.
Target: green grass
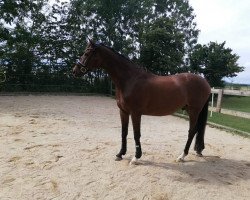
[(236, 103), (237, 123)]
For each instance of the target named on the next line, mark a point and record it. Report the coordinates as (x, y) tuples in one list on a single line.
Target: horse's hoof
[(199, 154), (118, 158), (134, 161), (181, 157)]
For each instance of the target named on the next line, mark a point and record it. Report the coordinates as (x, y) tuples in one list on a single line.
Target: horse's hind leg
[(124, 121), (193, 117), (201, 126)]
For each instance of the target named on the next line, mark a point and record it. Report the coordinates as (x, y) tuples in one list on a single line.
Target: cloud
[(226, 20)]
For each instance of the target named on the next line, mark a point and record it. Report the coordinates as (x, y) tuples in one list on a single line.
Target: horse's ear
[(91, 41)]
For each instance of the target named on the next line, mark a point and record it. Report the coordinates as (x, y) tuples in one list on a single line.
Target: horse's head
[(88, 61)]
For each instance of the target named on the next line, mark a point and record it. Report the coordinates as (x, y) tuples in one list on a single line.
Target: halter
[(83, 67), (2, 77)]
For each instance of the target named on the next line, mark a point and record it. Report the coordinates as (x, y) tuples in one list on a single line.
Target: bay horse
[(142, 93)]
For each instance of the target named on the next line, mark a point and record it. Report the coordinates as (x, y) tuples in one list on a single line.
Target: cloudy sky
[(226, 20)]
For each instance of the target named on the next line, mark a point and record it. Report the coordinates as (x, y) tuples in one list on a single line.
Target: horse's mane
[(116, 52), (125, 57)]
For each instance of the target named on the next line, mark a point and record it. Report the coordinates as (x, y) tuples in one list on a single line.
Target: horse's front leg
[(136, 120), (124, 121)]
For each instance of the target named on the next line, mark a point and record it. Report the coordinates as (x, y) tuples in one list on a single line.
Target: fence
[(63, 83), (57, 82), (220, 93)]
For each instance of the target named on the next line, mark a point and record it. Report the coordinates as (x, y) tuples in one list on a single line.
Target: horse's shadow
[(209, 169)]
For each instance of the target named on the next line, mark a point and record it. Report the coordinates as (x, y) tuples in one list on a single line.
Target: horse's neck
[(119, 69)]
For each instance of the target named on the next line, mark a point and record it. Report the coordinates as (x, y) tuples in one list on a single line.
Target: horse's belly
[(161, 112), (161, 109)]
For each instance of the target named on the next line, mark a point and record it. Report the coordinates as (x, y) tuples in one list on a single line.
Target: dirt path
[(63, 147)]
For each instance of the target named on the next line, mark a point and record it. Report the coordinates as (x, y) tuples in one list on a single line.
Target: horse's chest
[(122, 104)]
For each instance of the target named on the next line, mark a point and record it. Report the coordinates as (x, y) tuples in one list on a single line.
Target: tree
[(162, 48), (37, 38), (181, 13), (55, 40), (215, 62), (19, 48), (133, 27)]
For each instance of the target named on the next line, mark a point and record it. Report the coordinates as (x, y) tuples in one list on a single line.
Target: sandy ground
[(63, 147)]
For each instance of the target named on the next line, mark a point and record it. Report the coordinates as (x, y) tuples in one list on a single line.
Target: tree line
[(40, 41)]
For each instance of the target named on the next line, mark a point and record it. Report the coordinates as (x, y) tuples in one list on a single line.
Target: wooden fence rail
[(232, 92), (221, 92)]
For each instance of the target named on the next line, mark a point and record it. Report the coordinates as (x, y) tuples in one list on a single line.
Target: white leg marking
[(181, 157), (134, 161)]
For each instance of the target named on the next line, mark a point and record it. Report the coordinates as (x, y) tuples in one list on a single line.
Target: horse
[(143, 93)]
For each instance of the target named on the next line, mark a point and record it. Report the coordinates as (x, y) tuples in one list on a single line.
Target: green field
[(236, 103), (238, 123)]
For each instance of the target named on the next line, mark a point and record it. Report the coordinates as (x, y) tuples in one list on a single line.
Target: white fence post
[(219, 100), (212, 104)]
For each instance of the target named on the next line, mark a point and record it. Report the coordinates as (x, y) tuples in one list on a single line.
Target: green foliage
[(20, 50), (121, 24), (40, 41), (162, 48), (215, 62), (159, 33), (34, 46)]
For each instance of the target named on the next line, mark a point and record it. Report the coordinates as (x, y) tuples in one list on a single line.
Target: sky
[(226, 20)]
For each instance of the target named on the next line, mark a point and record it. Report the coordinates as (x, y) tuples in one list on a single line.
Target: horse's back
[(163, 95)]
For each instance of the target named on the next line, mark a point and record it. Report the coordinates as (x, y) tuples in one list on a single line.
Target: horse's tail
[(201, 126)]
